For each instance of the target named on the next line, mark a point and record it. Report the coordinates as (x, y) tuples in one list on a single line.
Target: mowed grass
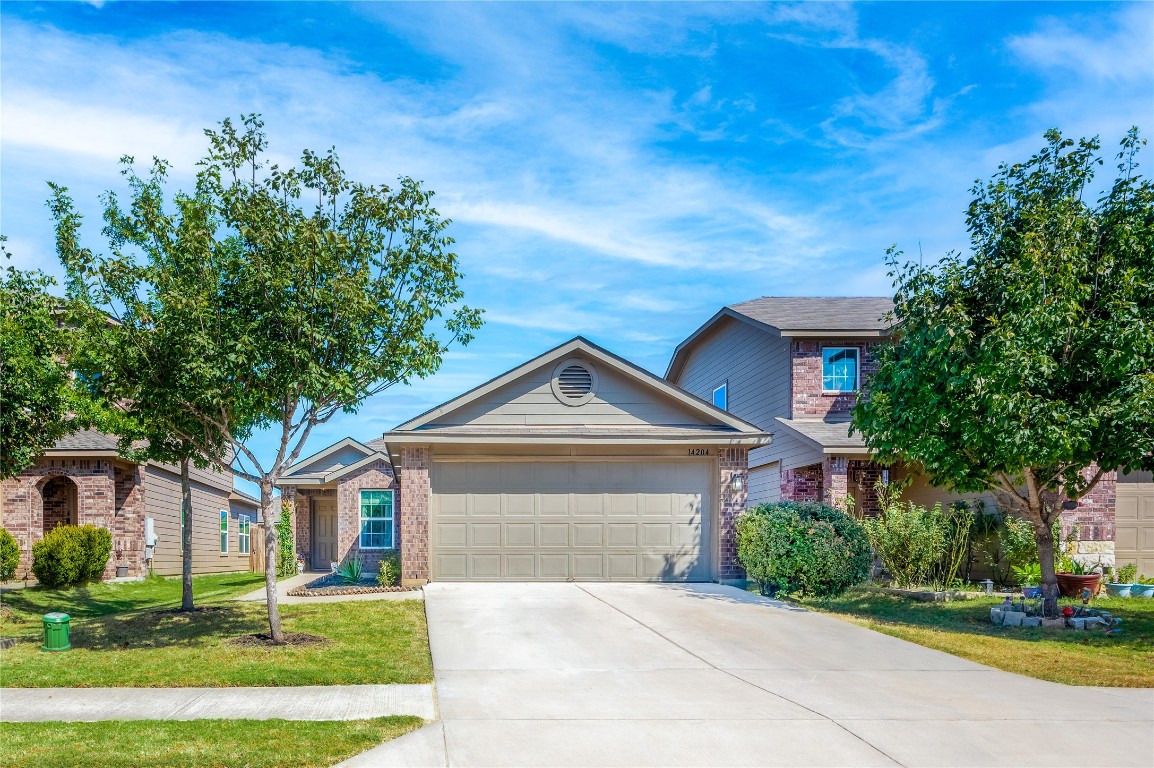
[(135, 638), (963, 628), (208, 743)]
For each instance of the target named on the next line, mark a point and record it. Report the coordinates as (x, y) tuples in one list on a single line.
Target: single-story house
[(577, 465), (82, 479)]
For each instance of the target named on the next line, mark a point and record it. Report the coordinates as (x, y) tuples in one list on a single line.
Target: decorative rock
[(1058, 623), (996, 616), (1013, 619), (1078, 623), (1094, 622), (1032, 621)]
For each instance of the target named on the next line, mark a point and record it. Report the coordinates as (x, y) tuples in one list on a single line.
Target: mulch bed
[(290, 638), (331, 584)]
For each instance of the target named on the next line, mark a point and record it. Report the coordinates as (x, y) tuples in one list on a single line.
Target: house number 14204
[(698, 451)]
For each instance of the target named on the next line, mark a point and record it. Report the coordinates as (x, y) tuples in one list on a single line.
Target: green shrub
[(909, 540), (803, 547), (70, 554), (389, 572), (286, 555), (9, 555), (1126, 574)]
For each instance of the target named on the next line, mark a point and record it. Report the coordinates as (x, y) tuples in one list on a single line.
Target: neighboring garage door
[(570, 520), (1134, 526)]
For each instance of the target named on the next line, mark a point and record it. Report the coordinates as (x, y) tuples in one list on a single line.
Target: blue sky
[(615, 171)]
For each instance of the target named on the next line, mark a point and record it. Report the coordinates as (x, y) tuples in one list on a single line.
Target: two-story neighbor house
[(795, 366), (83, 480)]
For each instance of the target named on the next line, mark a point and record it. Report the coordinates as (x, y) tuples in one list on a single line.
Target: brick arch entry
[(59, 502)]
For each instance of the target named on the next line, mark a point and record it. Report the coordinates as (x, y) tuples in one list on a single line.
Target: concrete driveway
[(701, 674)]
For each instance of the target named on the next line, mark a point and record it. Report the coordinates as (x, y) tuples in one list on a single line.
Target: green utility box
[(56, 632)]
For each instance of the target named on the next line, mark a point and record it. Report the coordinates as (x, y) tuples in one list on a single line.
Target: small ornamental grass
[(389, 571), (803, 547)]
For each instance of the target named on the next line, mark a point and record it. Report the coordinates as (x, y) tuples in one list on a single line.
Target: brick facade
[(1092, 523), (807, 399), (835, 480), (415, 501), (802, 484), (732, 466), (865, 475), (376, 476), (82, 491)]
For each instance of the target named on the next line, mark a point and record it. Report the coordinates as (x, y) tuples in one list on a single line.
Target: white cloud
[(1118, 50)]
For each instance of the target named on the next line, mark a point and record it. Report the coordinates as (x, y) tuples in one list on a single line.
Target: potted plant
[(1144, 587), (1125, 585), (1074, 576)]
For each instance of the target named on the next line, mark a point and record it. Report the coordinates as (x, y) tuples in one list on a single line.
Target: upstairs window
[(721, 396), (839, 369)]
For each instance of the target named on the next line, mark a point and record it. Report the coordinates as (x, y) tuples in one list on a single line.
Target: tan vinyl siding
[(530, 401), (923, 494), (756, 366), (764, 484), (162, 498), (211, 476)]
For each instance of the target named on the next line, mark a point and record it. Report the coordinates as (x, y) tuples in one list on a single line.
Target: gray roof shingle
[(85, 440), (818, 313), (827, 434)]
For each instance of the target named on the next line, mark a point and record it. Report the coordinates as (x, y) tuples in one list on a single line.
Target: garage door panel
[(554, 534), (520, 534), (1134, 531), (624, 520)]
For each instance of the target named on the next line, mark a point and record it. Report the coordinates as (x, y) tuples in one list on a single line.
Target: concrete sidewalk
[(284, 585), (314, 702)]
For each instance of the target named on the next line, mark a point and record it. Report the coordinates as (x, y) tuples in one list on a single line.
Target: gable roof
[(722, 426), (299, 475), (798, 316)]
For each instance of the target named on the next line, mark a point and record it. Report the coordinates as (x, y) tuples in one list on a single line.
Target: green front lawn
[(963, 628), (208, 743), (130, 635)]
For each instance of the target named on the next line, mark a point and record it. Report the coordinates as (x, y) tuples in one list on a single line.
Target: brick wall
[(102, 494), (865, 475), (808, 401), (802, 484), (378, 475), (415, 499), (1093, 521), (732, 464), (834, 480)]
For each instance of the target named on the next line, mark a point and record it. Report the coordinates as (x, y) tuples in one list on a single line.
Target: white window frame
[(724, 390), (856, 369), (224, 531), (244, 534), (392, 518)]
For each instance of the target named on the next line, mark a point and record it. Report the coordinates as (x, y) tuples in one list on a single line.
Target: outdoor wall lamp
[(737, 482)]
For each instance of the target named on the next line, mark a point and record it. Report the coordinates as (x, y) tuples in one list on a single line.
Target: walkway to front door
[(700, 674), (324, 533)]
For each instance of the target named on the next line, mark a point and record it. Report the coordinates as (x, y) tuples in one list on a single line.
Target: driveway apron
[(702, 674)]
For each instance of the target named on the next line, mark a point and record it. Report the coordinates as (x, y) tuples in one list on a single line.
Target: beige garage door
[(1134, 526), (570, 520)]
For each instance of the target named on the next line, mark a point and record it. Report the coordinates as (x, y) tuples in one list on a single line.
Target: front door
[(324, 533)]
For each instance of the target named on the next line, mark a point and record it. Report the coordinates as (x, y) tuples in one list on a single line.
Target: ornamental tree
[(319, 292), (1026, 367)]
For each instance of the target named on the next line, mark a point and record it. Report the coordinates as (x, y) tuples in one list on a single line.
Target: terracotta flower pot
[(1072, 584)]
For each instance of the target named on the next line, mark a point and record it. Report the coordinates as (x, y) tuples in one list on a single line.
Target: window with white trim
[(839, 369), (243, 534), (377, 519), (224, 531), (721, 396)]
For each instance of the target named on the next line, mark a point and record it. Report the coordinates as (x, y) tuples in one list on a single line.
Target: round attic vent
[(574, 382)]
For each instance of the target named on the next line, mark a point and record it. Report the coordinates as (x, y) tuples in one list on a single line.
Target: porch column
[(835, 480)]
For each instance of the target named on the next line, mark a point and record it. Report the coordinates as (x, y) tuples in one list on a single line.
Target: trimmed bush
[(803, 547), (70, 554), (286, 557), (389, 572), (9, 555)]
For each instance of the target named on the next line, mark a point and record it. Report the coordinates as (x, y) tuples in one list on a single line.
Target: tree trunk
[(186, 537), (270, 564), (1044, 536)]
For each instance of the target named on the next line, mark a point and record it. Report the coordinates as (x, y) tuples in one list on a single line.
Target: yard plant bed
[(331, 584), (136, 639), (178, 743), (964, 629)]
